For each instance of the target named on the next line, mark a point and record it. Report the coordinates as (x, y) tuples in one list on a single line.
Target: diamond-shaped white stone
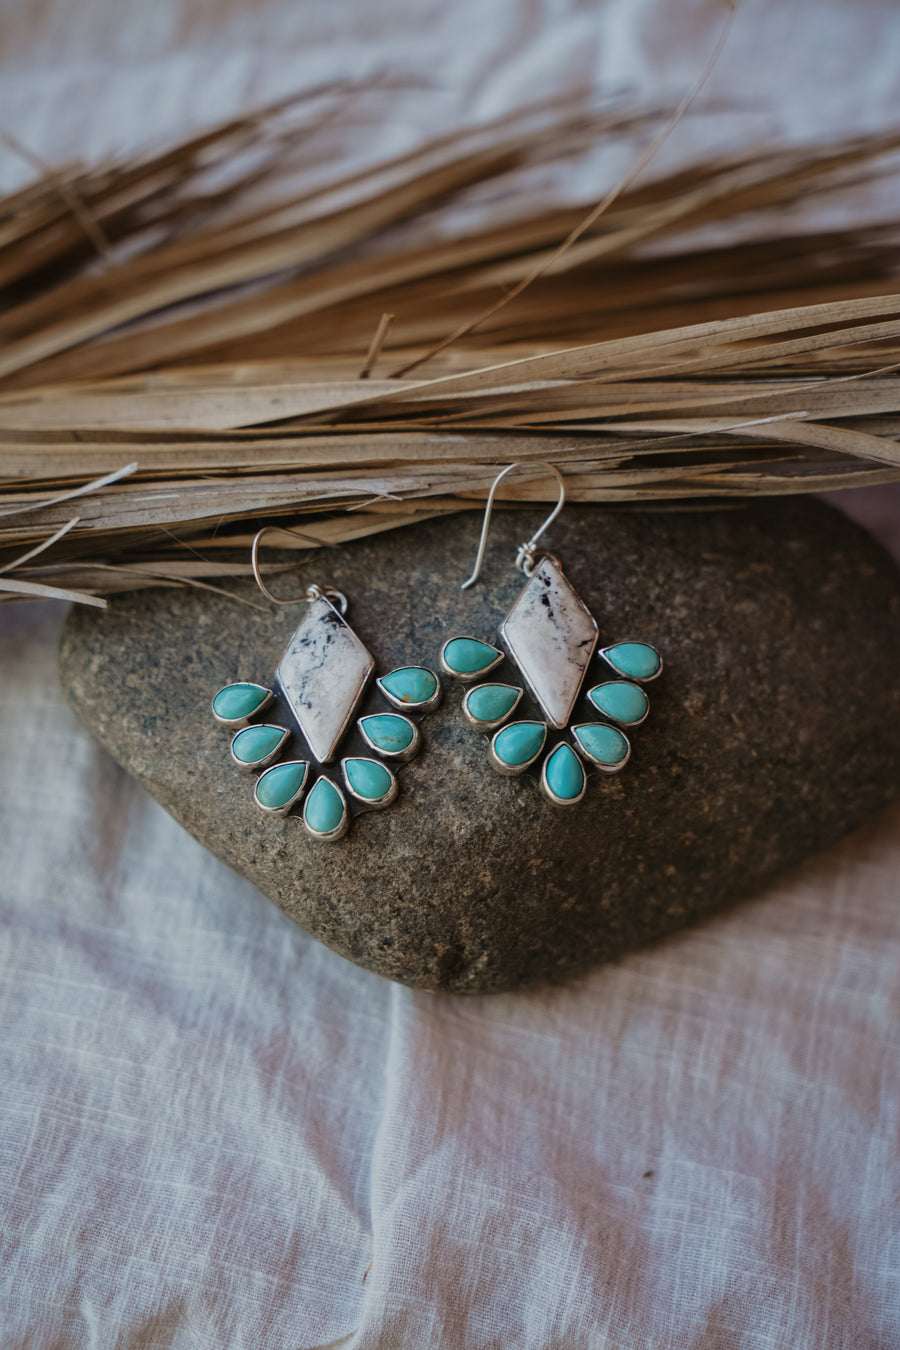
[(551, 635), (323, 675)]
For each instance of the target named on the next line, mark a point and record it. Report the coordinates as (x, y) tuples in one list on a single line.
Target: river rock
[(773, 731)]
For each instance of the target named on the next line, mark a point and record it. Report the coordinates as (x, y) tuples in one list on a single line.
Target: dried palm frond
[(220, 336)]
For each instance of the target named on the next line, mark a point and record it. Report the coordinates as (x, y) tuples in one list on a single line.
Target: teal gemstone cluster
[(370, 783), (517, 745)]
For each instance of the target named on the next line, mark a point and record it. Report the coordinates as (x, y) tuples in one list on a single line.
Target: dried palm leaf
[(223, 335)]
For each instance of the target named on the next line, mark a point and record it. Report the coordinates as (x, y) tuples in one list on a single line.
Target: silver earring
[(551, 637), (321, 679)]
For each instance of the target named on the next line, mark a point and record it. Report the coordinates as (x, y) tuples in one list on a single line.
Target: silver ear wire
[(329, 593), (525, 555)]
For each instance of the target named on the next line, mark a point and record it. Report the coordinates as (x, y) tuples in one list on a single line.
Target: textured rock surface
[(774, 730)]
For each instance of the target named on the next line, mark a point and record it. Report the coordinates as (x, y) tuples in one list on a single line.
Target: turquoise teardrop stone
[(621, 701), (411, 684), (368, 778), (324, 808), (638, 660), (467, 656), (604, 744), (565, 773), (391, 734), (255, 743), (491, 702), (519, 743), (281, 784), (237, 701)]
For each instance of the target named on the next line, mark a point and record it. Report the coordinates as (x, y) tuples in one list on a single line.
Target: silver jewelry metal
[(552, 638), (322, 677), (525, 555)]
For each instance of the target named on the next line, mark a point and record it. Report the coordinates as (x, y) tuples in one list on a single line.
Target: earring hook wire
[(525, 555), (313, 592)]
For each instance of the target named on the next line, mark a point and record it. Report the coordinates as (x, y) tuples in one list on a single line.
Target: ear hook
[(313, 592), (525, 555)]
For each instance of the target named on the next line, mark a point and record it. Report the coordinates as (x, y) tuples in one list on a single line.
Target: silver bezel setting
[(282, 810), (511, 770), (329, 836), (426, 706), (583, 750), (632, 679), (497, 721), (601, 712), (400, 756), (477, 674), (372, 804), (266, 760), (562, 801), (239, 723)]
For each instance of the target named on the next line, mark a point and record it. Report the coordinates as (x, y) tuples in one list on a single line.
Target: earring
[(321, 679), (550, 637)]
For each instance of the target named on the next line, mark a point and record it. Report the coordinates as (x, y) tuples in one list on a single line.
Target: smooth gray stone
[(773, 731)]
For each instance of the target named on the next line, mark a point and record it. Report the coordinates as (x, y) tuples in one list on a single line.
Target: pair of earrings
[(550, 637)]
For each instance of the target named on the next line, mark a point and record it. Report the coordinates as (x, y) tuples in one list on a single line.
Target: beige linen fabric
[(216, 1133)]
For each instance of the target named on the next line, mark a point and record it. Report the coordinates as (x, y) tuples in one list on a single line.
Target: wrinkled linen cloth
[(213, 1131)]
